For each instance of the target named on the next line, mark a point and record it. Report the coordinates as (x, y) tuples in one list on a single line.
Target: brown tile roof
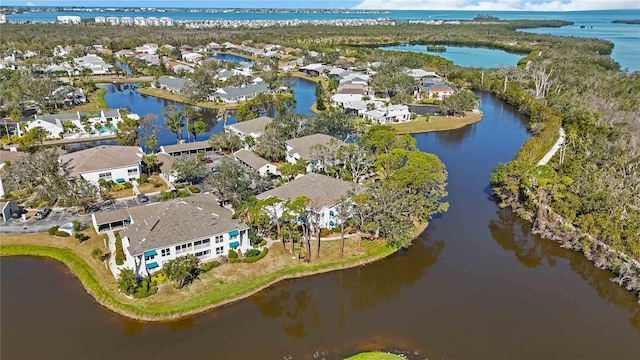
[(303, 145), (323, 189), (174, 222), (251, 159), (256, 125), (100, 158), (166, 162)]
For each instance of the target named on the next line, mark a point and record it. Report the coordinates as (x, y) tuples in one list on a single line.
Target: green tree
[(191, 116), (271, 145), (127, 281), (225, 141), (173, 121), (319, 93), (181, 270), (150, 162), (289, 170), (190, 169), (127, 132)]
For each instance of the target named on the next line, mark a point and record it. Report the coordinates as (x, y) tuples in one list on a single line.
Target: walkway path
[(547, 157)]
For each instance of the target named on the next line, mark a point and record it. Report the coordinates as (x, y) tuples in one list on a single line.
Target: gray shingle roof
[(236, 92), (324, 190), (303, 145), (257, 125), (165, 224), (251, 159), (171, 82), (196, 145), (100, 158)]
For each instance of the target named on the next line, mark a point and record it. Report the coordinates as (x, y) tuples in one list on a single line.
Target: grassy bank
[(159, 93), (95, 102), (436, 123), (223, 285)]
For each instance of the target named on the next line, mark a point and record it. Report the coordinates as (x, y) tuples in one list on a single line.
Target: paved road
[(61, 216)]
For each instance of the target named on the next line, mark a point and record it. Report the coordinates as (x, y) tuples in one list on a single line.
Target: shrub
[(127, 185), (232, 254), (325, 232), (76, 225), (234, 260), (53, 230), (263, 242), (159, 278), (194, 189), (336, 229), (62, 234), (206, 266), (118, 187), (253, 259), (215, 263), (252, 253), (184, 193), (120, 257), (254, 239), (143, 179)]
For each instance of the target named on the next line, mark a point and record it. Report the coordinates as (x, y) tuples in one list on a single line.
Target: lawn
[(154, 184), (436, 123), (222, 285), (159, 93), (124, 193), (95, 102), (375, 356)]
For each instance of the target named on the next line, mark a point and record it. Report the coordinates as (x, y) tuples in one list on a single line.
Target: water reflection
[(455, 136), (513, 235)]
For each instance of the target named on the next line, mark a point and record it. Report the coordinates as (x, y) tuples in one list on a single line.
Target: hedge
[(256, 258), (120, 257)]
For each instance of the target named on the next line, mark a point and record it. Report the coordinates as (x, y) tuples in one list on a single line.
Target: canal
[(475, 285)]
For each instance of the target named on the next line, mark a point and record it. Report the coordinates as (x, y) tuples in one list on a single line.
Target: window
[(132, 171), (219, 250), (106, 176), (184, 248), (218, 239), (147, 258), (203, 254), (166, 252)]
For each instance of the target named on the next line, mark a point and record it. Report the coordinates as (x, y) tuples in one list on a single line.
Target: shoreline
[(110, 300), (161, 94), (436, 123)]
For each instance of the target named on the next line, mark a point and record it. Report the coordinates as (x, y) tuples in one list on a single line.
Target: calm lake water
[(127, 96), (465, 56), (230, 58), (475, 285)]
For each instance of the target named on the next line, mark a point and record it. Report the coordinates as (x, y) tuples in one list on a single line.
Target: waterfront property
[(436, 90), (254, 127), (324, 193), (232, 94), (117, 163), (172, 84), (71, 125), (255, 162), (159, 232), (301, 148), (388, 114)]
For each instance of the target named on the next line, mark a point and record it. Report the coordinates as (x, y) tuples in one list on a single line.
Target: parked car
[(142, 197), (43, 213)]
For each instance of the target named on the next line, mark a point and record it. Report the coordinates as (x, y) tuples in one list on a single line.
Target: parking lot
[(61, 216)]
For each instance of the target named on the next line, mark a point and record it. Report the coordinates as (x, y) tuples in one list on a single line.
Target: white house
[(323, 191), (117, 163), (254, 127), (388, 114), (255, 162), (433, 90), (302, 148), (94, 63), (159, 232), (236, 94), (53, 123), (172, 84)]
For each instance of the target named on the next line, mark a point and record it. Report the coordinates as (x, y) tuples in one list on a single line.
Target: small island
[(436, 48), (630, 22)]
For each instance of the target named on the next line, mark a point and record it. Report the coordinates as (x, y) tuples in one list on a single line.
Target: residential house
[(301, 148), (214, 46), (124, 53), (232, 94), (94, 63), (53, 123), (388, 114), (62, 51), (349, 93), (193, 57), (323, 191), (126, 20), (159, 232), (254, 127), (255, 162), (165, 164), (433, 90), (7, 209), (172, 84), (118, 163), (7, 157), (419, 74), (313, 69)]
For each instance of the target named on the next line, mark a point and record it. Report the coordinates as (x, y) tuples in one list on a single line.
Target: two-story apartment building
[(254, 127), (301, 148), (117, 163)]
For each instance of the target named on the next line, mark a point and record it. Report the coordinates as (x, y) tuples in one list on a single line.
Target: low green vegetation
[(436, 123), (375, 356), (120, 256)]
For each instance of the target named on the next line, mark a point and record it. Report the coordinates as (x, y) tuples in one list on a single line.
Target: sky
[(487, 5)]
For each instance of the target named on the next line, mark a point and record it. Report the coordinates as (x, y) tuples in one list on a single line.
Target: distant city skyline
[(474, 5)]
